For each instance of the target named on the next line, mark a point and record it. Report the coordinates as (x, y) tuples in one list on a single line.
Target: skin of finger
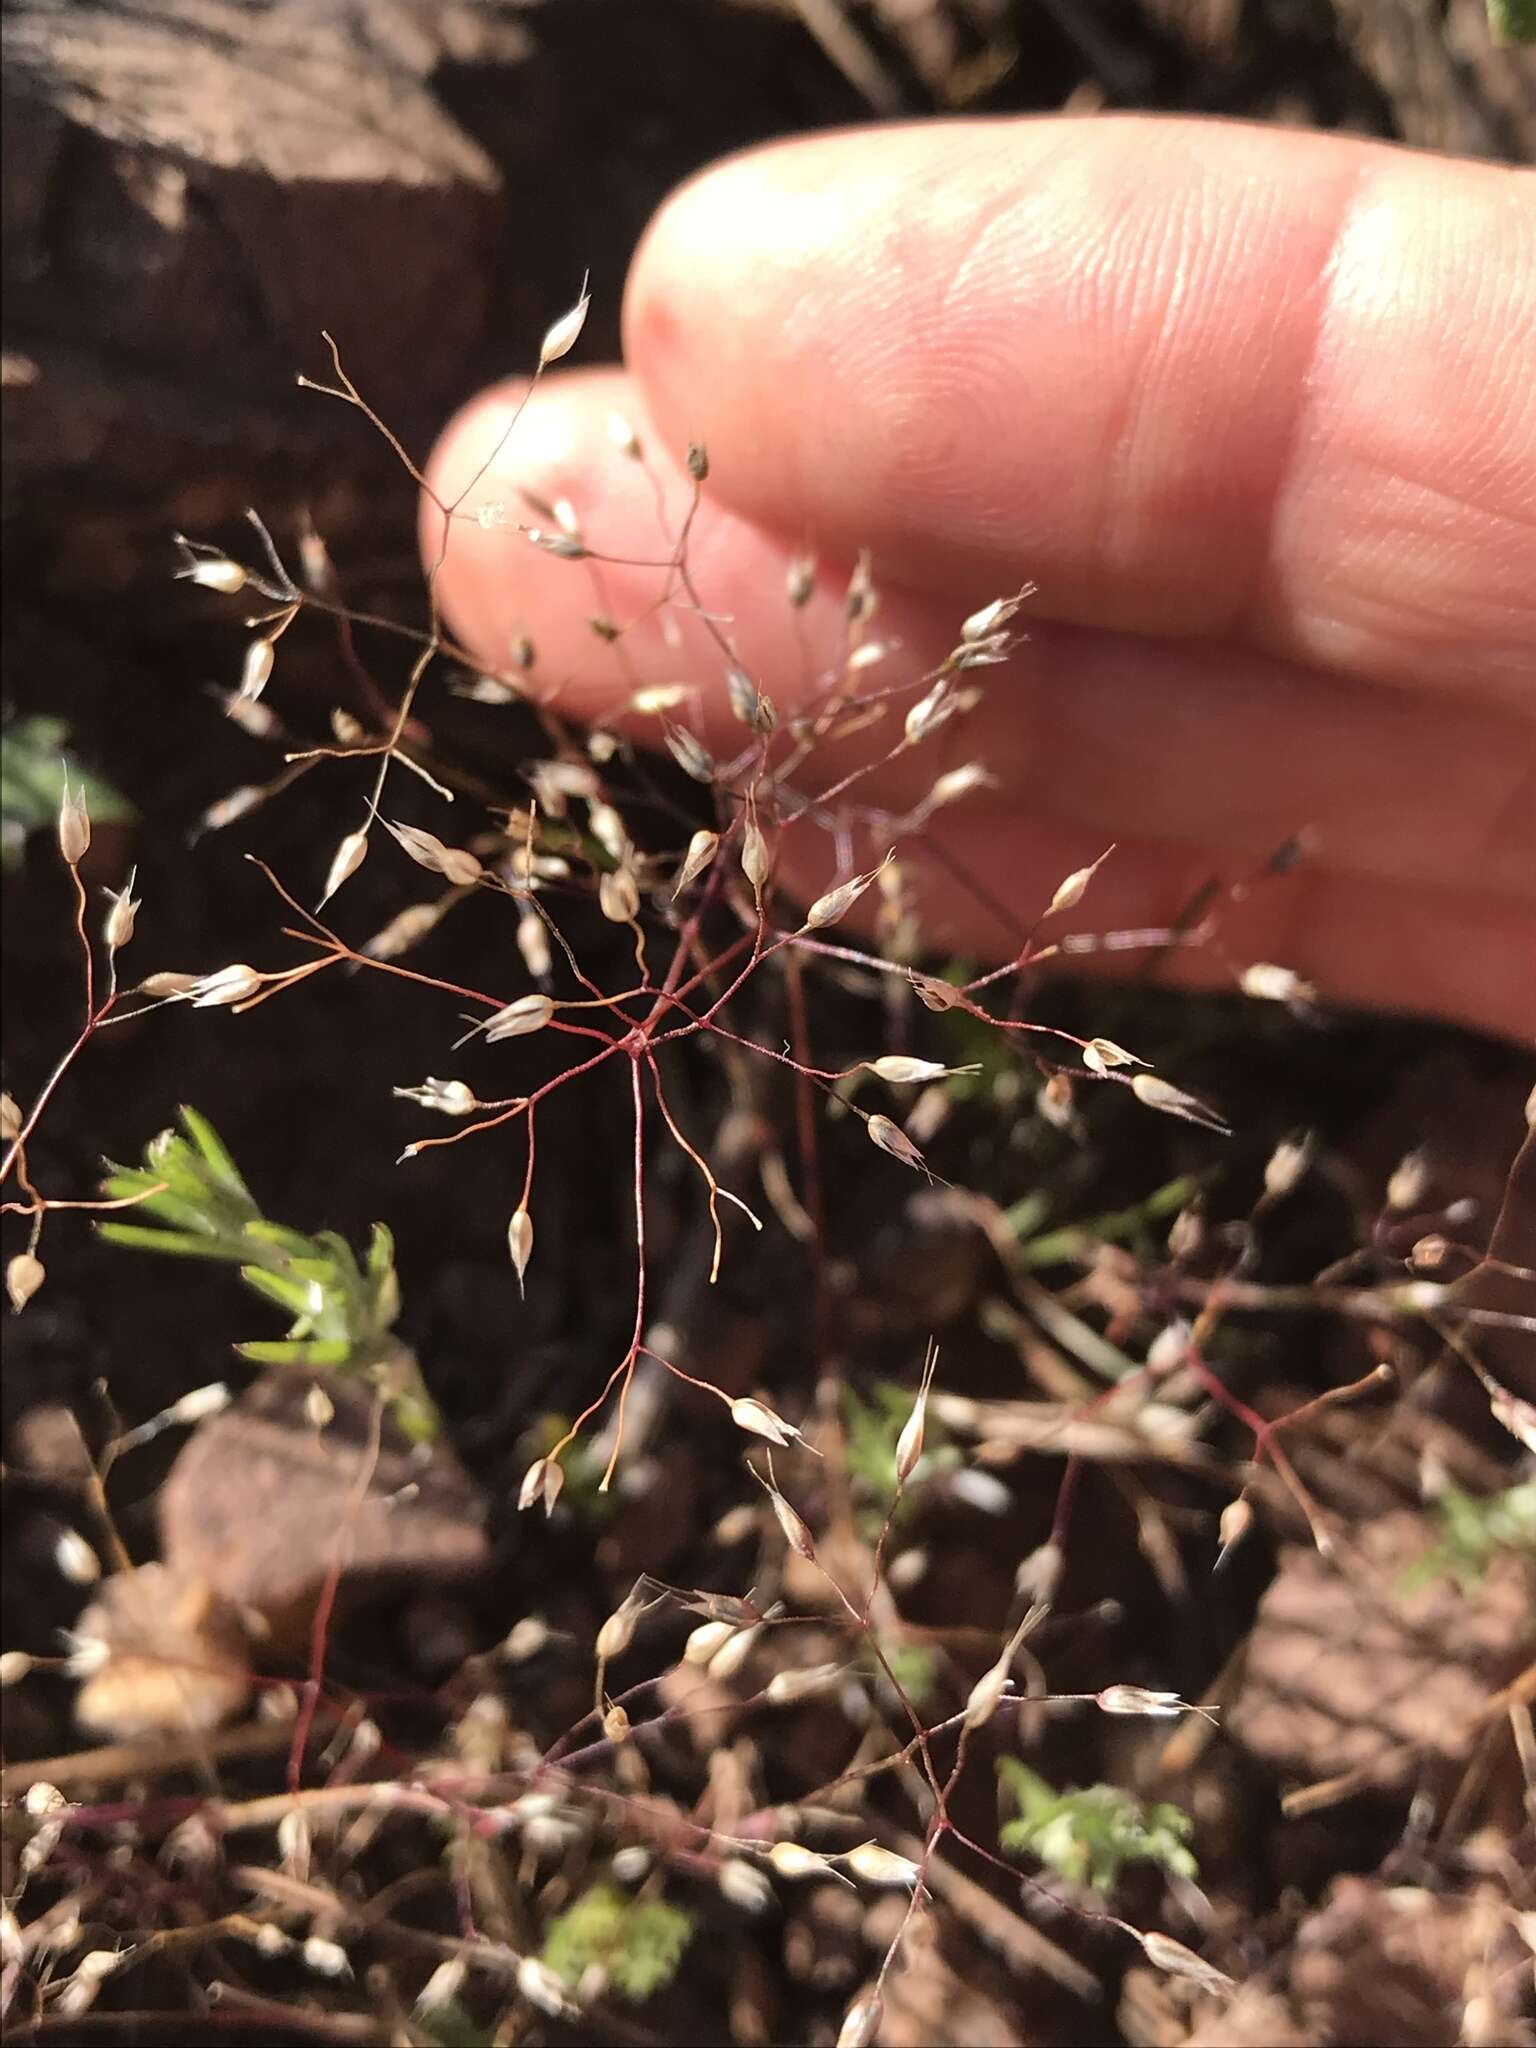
[(1200, 378), (1212, 746)]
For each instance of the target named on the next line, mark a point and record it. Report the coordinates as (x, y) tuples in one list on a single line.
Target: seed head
[(992, 617), (1100, 1054), (618, 1631), (795, 1532), (561, 338), (527, 1014), (24, 1274), (909, 1445)]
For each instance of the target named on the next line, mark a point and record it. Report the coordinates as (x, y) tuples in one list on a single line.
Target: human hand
[(1254, 410)]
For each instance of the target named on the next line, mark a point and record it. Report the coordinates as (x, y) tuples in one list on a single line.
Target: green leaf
[(215, 1153), (320, 1352), (34, 765), (179, 1243), (1512, 21), (638, 1942), (1088, 1834)]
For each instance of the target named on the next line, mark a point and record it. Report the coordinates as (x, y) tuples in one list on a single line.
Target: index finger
[(1191, 378)]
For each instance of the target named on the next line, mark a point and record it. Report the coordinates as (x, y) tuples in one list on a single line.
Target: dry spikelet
[(533, 945), (708, 1638), (520, 1242), (688, 754), (623, 436), (982, 625), (795, 1532), (696, 461), (325, 1958), (1070, 892), (406, 929), (1408, 1186), (794, 1860), (909, 1445), (930, 712), (618, 896), (956, 783), (837, 903), (754, 856), (901, 1070), (1038, 1578), (1236, 1521), (211, 572), (14, 1667), (933, 993), (10, 1117), (618, 1631), (880, 1866), (542, 1481), (121, 916), (1159, 1094), (744, 1885), (74, 825), (1166, 1954), (517, 1019), (428, 851), (442, 1988), (1288, 1163), (24, 1275), (785, 1688), (256, 670), (1275, 984), (759, 1420), (225, 985), (861, 2022), (562, 336), (893, 1139), (348, 858), (75, 1559), (861, 602), (800, 580), (702, 848), (732, 1654), (1100, 1054), (1139, 1699), (986, 1695), (656, 698), (449, 1098)]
